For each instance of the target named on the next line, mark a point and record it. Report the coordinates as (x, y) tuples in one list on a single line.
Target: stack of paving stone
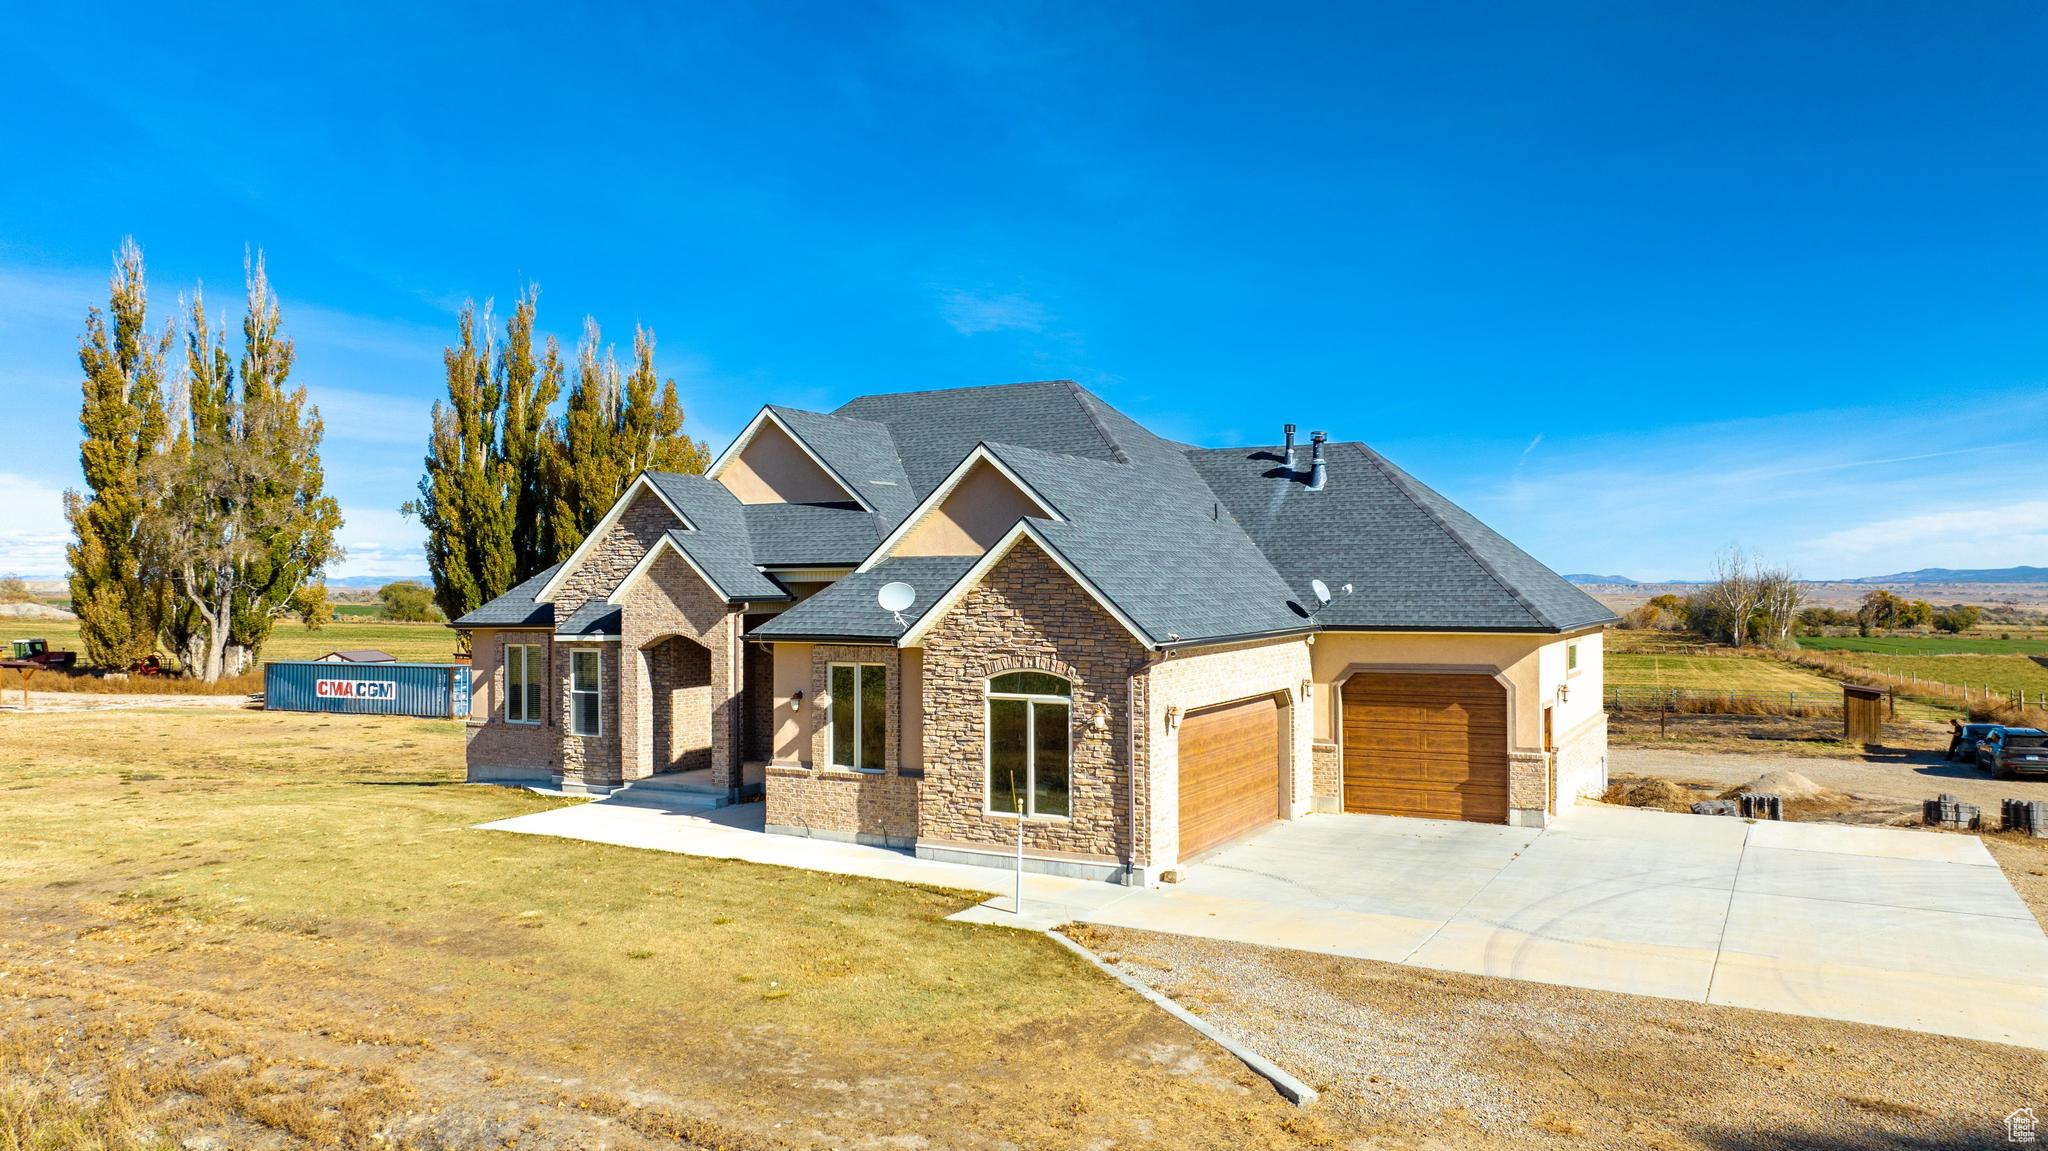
[(2027, 815), (1715, 807), (1952, 813), (1760, 805)]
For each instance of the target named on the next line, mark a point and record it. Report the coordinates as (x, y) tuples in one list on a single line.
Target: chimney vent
[(1317, 475), (1288, 455)]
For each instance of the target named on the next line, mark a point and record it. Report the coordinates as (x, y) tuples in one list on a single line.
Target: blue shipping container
[(430, 690)]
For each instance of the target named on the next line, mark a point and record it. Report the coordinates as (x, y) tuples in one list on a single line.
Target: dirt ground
[(1897, 776), (1409, 1058)]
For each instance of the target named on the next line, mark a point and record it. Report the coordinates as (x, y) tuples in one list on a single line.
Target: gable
[(980, 510), (1025, 597), (774, 469), (613, 551)]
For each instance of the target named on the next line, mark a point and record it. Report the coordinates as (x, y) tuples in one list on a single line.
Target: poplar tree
[(239, 524), (119, 605), (508, 489), (530, 388), (464, 501), (615, 427)]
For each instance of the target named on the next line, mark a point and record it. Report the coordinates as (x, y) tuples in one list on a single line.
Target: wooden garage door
[(1434, 746), (1229, 772)]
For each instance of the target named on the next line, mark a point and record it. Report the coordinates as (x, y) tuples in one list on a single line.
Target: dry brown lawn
[(245, 930), (280, 930)]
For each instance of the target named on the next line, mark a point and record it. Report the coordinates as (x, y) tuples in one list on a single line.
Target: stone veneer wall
[(1328, 790), (1027, 614), (671, 600), (644, 521), (843, 803), (494, 749), (591, 760), (1191, 681)]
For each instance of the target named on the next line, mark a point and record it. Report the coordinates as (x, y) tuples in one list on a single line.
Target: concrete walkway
[(1901, 928)]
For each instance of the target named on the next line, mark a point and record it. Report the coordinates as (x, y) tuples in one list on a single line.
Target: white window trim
[(988, 696), (534, 676), (831, 728), (596, 690), (1572, 663)]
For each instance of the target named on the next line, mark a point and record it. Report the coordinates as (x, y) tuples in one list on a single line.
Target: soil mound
[(1787, 785), (1656, 794)]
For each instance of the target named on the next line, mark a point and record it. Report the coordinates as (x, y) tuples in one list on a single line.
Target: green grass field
[(2002, 673), (411, 642), (2018, 641), (1661, 659)]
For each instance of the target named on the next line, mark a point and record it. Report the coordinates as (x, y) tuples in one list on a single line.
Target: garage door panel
[(1229, 773), (1433, 746)]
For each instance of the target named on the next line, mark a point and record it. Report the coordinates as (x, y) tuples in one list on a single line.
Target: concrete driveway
[(1895, 927), (1876, 925)]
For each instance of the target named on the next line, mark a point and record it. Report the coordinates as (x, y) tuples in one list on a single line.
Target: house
[(1113, 637), (359, 655)]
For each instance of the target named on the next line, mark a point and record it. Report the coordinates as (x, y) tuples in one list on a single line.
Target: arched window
[(1029, 743)]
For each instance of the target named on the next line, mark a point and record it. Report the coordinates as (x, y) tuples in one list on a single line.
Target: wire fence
[(1624, 697)]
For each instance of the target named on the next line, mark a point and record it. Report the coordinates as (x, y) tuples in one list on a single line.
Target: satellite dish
[(1321, 589), (895, 596)]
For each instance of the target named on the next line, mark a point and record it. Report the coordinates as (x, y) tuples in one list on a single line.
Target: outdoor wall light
[(1564, 692), (796, 702), (1308, 688), (1172, 718), (1100, 720)]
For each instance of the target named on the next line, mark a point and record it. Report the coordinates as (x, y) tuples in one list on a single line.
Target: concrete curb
[(1294, 1090)]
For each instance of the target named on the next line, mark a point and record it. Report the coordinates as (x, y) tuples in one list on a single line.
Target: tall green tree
[(464, 501), (530, 386), (239, 523), (510, 489), (119, 605), (615, 427)]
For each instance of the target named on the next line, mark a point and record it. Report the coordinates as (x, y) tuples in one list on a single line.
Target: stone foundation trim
[(1037, 863), (834, 835)]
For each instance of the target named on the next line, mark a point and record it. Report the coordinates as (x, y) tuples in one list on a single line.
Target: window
[(586, 693), (1571, 659), (522, 683), (1028, 745), (860, 715)]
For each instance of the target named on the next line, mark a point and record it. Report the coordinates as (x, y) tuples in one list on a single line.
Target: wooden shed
[(1863, 713)]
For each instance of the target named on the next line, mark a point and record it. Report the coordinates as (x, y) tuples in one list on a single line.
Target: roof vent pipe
[(1287, 457), (1317, 475)]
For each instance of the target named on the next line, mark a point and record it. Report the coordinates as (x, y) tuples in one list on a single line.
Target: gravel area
[(10, 700), (1413, 1058), (1903, 777)]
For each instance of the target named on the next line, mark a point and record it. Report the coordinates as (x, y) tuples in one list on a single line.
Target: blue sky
[(1629, 281)]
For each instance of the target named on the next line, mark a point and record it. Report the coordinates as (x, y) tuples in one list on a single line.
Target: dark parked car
[(1963, 741), (2011, 751)]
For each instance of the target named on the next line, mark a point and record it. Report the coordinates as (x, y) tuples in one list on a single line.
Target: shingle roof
[(1189, 544), (515, 608), (808, 535), (1415, 560), (594, 618), (861, 451), (847, 610)]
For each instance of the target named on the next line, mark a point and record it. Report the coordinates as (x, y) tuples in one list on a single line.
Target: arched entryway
[(676, 705)]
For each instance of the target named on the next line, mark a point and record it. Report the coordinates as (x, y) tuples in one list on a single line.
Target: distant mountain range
[(378, 581), (1923, 576), (1961, 575)]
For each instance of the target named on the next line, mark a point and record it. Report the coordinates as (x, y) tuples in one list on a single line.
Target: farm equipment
[(37, 652), (30, 656)]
